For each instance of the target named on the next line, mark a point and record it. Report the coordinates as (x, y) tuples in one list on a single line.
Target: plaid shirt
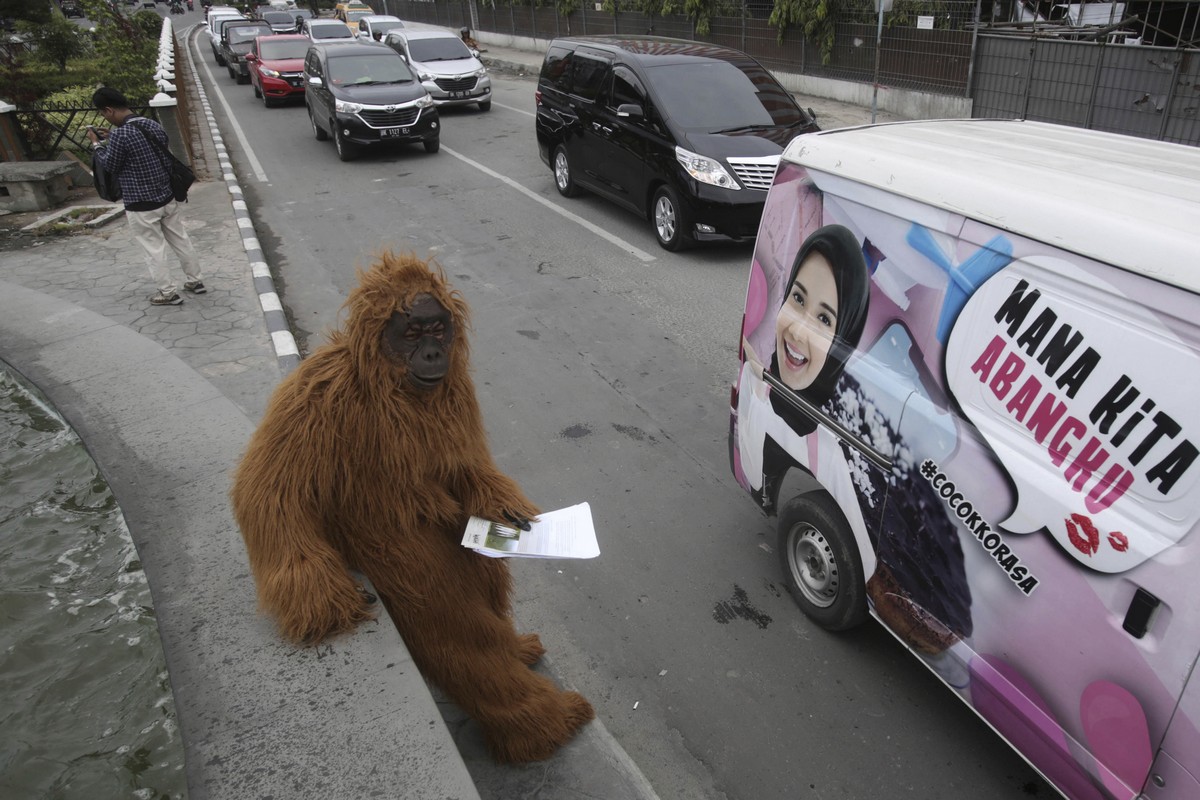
[(139, 166)]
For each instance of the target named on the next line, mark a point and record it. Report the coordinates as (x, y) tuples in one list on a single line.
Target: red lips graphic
[(1083, 534)]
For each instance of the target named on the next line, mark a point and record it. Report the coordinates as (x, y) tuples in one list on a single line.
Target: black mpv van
[(687, 134), (364, 94)]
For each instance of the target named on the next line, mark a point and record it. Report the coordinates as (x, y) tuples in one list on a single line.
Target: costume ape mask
[(420, 338), (371, 456)]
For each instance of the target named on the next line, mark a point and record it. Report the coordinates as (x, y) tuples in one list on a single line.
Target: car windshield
[(720, 96), (301, 13), (355, 16), (278, 18), (338, 31), (276, 51), (368, 69), (447, 49), (240, 35), (380, 28)]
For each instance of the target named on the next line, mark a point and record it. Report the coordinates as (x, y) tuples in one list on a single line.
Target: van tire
[(432, 145), (563, 180), (821, 564), (485, 105), (317, 130), (670, 221)]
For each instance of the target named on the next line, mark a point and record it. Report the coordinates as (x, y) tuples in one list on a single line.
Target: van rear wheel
[(562, 173), (671, 224), (821, 564)]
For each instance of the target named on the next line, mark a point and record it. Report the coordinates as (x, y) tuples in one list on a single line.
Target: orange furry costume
[(354, 468)]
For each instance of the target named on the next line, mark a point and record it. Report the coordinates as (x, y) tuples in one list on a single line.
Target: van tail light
[(537, 97)]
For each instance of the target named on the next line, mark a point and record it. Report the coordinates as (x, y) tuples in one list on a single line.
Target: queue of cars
[(365, 79)]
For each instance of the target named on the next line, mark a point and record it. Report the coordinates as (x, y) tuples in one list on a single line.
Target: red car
[(277, 67)]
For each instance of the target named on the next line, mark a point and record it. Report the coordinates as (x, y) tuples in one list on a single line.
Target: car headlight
[(479, 73), (424, 101), (705, 169), (270, 73), (425, 76), (342, 107)]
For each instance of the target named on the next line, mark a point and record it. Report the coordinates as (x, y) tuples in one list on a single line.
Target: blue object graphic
[(966, 278)]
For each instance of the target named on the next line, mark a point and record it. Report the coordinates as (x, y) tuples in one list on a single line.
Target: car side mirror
[(251, 57), (631, 110), (474, 53), (811, 113), (315, 82)]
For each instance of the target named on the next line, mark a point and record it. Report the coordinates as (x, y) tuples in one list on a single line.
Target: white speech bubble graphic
[(1088, 400)]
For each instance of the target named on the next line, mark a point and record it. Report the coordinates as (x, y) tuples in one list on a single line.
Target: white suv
[(451, 73)]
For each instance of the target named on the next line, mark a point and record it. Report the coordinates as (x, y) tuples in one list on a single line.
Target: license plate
[(458, 95), (388, 133)]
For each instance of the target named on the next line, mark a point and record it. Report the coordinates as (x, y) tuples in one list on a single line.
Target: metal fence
[(1136, 90), (935, 58), (55, 131)]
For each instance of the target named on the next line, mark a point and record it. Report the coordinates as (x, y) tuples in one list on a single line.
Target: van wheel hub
[(814, 566)]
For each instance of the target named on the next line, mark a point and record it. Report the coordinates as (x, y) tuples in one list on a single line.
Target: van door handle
[(598, 127), (1141, 613)]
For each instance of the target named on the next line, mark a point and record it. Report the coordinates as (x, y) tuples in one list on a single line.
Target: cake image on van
[(968, 382)]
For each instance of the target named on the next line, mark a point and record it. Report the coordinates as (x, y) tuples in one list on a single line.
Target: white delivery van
[(970, 391)]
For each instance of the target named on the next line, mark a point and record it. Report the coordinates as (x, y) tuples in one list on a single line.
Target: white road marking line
[(514, 108), (255, 165), (637, 253)]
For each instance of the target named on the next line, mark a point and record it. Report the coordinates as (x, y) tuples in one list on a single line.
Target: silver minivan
[(450, 71)]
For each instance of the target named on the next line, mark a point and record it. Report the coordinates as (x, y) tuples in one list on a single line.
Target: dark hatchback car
[(687, 134), (364, 94), (237, 39)]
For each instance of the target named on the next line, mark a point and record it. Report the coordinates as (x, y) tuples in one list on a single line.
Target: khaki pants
[(155, 231)]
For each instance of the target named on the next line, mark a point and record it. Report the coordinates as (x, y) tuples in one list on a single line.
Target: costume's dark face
[(419, 339)]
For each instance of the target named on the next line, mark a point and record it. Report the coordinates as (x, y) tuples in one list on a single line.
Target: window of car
[(588, 74), (378, 29), (355, 16), (277, 51), (338, 31), (746, 98), (447, 48), (214, 24), (361, 70), (625, 88), (312, 65), (244, 33), (278, 18), (556, 69)]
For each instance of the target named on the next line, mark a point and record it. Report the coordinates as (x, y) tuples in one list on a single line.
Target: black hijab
[(845, 255)]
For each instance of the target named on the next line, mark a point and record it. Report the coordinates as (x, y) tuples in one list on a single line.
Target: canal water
[(85, 705)]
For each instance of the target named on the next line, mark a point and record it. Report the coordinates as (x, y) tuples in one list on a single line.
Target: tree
[(55, 41)]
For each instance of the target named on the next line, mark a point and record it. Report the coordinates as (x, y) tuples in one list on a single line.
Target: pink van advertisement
[(1011, 431)]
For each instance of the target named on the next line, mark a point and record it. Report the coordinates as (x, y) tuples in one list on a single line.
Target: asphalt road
[(603, 365)]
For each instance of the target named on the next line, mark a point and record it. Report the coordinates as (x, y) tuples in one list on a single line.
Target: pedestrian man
[(127, 151)]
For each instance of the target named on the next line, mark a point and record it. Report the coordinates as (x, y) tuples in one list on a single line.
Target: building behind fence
[(1053, 71)]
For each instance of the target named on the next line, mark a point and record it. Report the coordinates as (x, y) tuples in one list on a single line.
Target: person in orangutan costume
[(371, 456)]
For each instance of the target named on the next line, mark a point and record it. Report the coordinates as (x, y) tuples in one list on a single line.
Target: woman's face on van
[(806, 323)]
